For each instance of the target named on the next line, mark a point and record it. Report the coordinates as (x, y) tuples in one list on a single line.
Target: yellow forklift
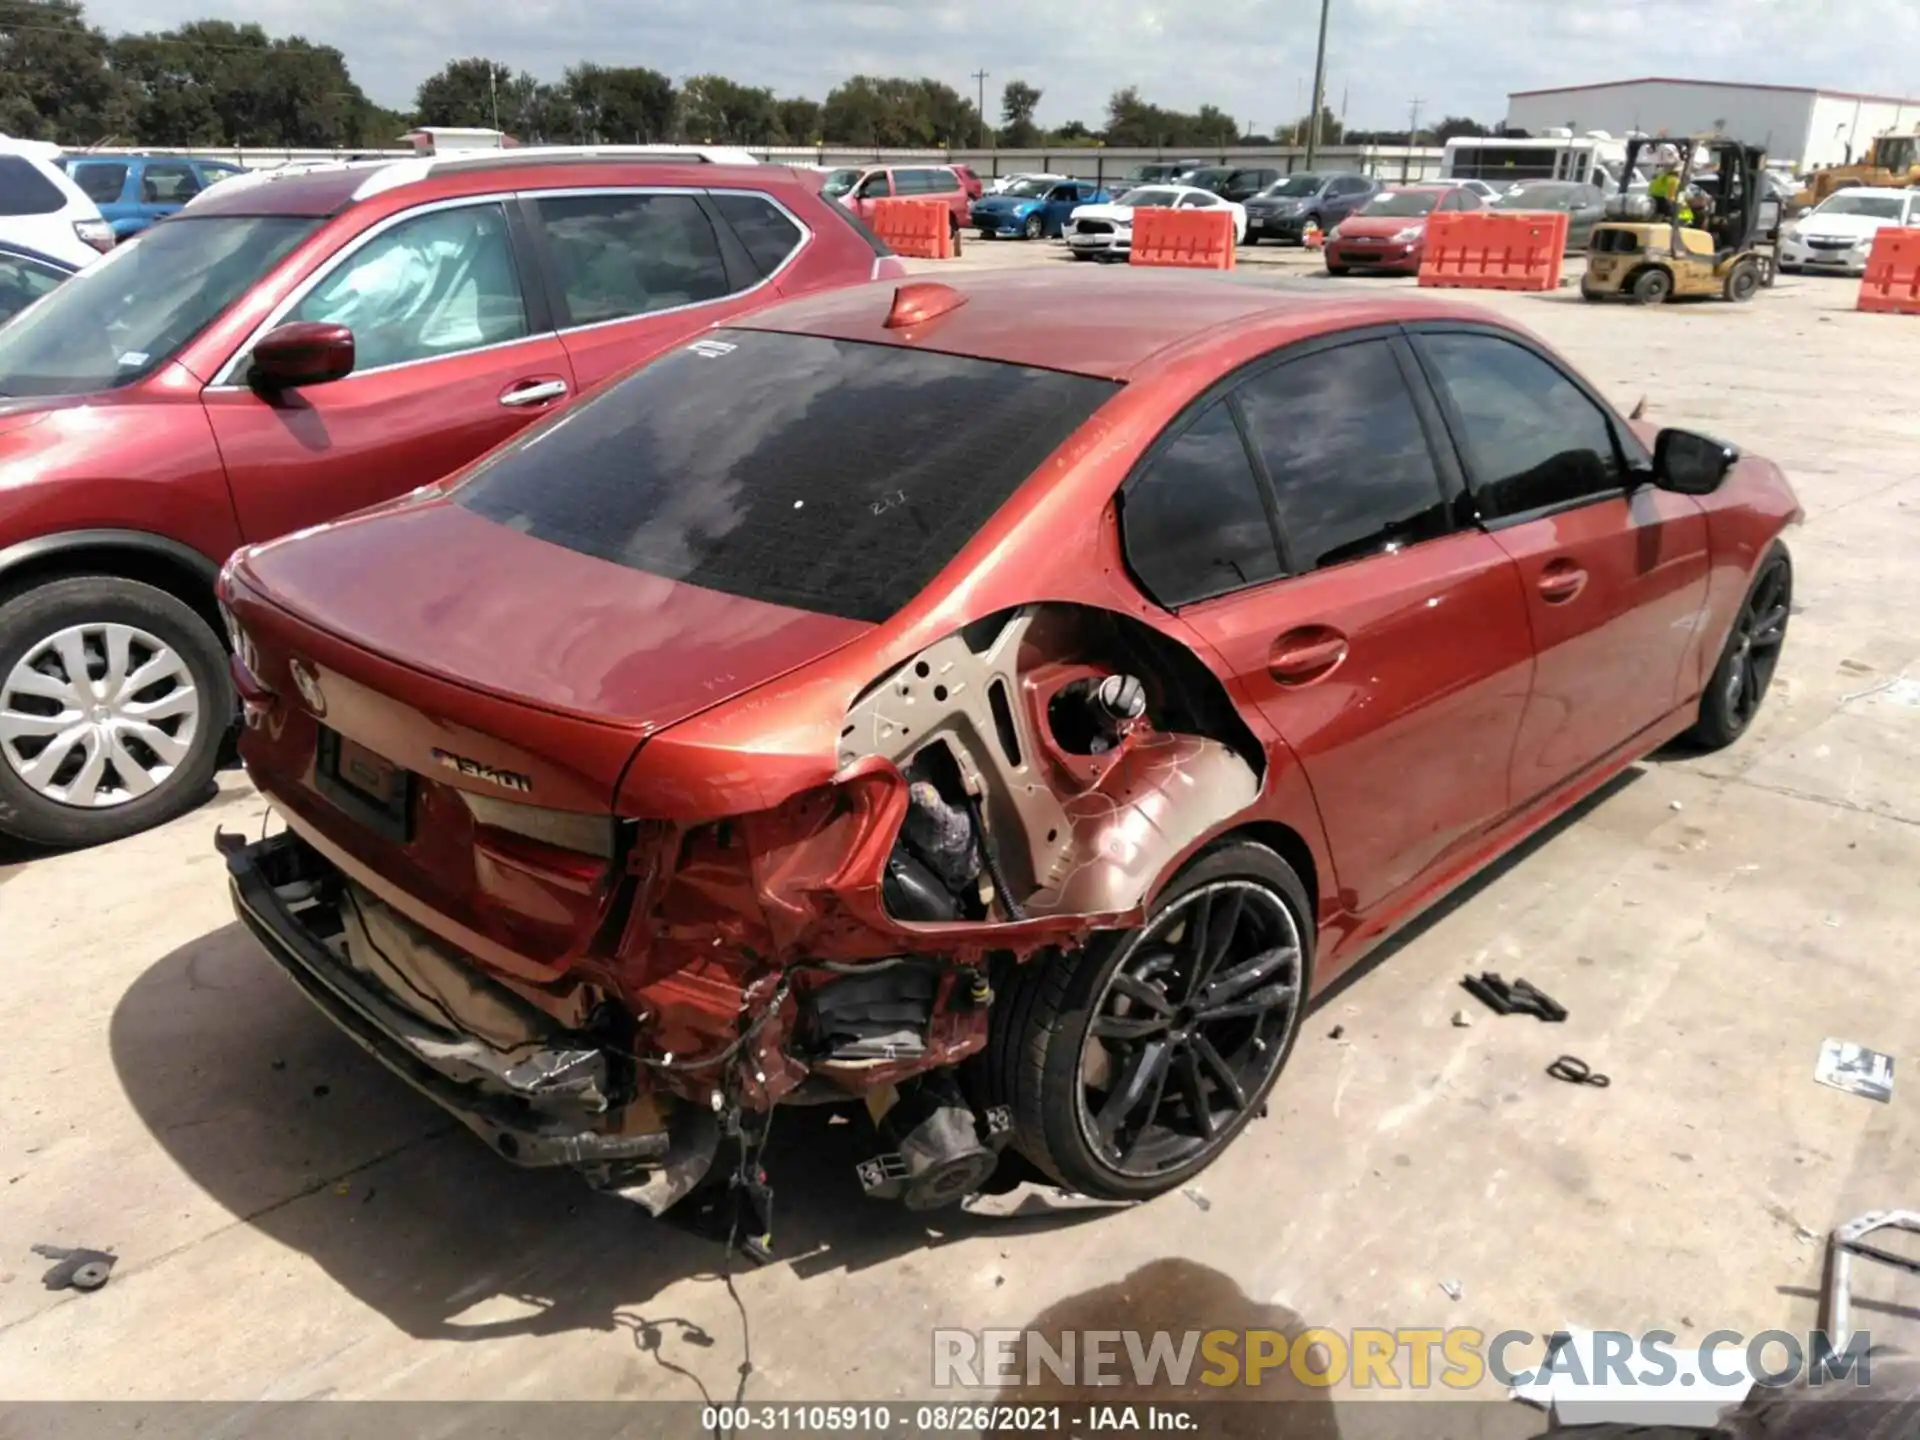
[(1641, 251)]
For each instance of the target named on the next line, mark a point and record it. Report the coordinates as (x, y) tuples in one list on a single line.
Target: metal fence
[(1386, 162)]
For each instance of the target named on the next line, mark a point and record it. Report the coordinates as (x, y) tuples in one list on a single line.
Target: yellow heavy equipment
[(1891, 160)]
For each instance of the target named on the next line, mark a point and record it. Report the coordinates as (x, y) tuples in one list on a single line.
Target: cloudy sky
[(1253, 58)]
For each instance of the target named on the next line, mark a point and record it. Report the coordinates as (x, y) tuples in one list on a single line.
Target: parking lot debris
[(1575, 1071), (1461, 1019), (1198, 1197), (1452, 1289), (1843, 1065), (1519, 998), (77, 1269), (1336, 1032)]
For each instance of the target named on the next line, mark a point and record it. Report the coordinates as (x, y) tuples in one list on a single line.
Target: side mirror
[(1690, 464), (306, 352)]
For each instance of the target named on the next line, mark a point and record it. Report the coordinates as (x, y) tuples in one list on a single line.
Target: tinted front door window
[(433, 285), (1343, 445), (1533, 438), (622, 255), (1194, 522)]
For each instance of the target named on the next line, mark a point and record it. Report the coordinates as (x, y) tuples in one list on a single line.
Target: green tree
[(1017, 104), (896, 112), (464, 93), (1331, 130), (214, 82), (720, 111), (1455, 126), (799, 120), (621, 105), (1074, 132), (55, 81)]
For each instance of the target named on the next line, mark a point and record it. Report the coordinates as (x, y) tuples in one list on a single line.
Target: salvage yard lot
[(293, 1222)]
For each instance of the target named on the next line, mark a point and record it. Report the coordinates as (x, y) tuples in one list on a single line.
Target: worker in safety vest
[(1668, 201)]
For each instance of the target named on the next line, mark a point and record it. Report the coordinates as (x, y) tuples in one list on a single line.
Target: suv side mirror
[(306, 352), (1691, 464)]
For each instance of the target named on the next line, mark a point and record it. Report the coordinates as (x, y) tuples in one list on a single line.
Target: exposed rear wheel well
[(126, 562)]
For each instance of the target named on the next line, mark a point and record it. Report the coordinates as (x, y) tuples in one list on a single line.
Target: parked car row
[(281, 354)]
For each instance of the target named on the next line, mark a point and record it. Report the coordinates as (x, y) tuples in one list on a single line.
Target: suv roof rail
[(394, 173)]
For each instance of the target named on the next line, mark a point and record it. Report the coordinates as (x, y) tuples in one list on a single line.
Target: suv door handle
[(534, 392), (1560, 582), (1306, 654)]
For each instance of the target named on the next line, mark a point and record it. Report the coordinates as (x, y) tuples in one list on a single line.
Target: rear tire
[(1652, 286), (1592, 296), (1081, 254), (154, 760), (1070, 1031), (1739, 682), (1339, 269)]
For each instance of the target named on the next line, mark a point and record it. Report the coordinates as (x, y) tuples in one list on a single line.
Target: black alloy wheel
[(1752, 654), (1132, 1064)]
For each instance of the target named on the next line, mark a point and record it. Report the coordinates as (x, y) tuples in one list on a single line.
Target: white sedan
[(1096, 232), (1837, 234)]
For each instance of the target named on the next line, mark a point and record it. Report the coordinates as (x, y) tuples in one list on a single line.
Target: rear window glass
[(101, 182), (819, 474), (25, 191)]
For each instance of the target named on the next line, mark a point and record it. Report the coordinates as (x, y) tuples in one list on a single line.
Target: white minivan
[(42, 209)]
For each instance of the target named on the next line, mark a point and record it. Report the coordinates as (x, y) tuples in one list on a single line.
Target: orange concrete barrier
[(919, 228), (1190, 239), (1476, 250), (1891, 285)]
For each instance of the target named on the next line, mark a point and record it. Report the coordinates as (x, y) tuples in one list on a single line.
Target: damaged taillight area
[(1017, 785)]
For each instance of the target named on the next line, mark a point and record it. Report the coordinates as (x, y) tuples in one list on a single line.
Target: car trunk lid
[(452, 705)]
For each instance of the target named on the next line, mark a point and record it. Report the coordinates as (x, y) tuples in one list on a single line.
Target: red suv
[(287, 353), (858, 187)]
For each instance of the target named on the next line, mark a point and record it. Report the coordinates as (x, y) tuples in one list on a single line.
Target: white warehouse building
[(1798, 125)]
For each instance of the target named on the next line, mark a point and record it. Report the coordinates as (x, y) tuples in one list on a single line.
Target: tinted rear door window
[(1193, 522), (25, 191), (1350, 464), (619, 255), (770, 237), (824, 475)]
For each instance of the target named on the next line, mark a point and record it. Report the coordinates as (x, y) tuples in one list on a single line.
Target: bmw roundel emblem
[(308, 685)]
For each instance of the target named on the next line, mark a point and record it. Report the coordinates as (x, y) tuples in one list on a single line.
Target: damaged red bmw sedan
[(998, 703)]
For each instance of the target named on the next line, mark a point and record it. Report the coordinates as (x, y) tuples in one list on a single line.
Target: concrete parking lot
[(290, 1221)]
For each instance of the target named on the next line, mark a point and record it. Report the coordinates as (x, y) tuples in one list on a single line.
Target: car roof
[(321, 193), (1878, 192), (1111, 326)]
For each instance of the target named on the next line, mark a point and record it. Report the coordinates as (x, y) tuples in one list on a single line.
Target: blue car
[(1031, 209), (133, 191)]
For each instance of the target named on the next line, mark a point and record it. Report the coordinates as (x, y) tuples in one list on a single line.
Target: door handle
[(1306, 654), (534, 392), (1560, 582)]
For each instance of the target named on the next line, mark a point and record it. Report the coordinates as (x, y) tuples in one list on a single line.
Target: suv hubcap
[(98, 715)]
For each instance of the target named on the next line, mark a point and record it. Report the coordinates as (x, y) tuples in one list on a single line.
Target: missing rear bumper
[(548, 1101)]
